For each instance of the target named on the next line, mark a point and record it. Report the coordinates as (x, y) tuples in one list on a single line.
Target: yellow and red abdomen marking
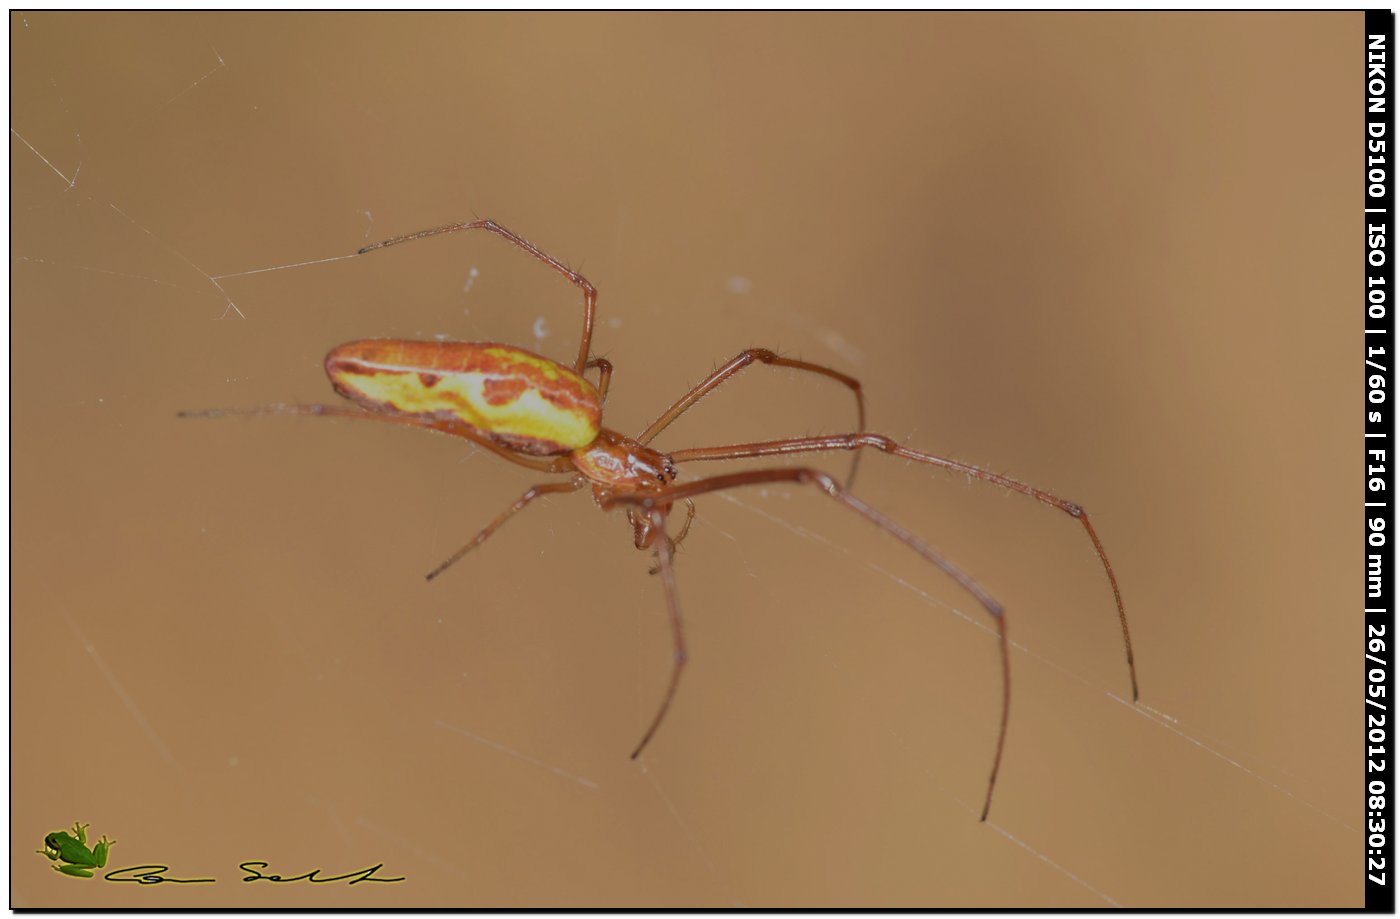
[(514, 397)]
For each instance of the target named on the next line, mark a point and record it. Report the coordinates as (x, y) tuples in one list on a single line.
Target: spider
[(547, 416)]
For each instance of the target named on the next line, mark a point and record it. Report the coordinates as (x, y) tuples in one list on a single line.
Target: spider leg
[(673, 607), (685, 527), (861, 440), (685, 530), (520, 504), (605, 371), (442, 426), (590, 294), (654, 501), (739, 362)]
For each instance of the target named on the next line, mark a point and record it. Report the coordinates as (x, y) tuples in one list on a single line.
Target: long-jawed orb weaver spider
[(545, 416)]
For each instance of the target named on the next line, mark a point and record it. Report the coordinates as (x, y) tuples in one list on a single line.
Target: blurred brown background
[(1113, 255)]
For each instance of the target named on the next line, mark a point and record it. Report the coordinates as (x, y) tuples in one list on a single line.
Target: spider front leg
[(653, 502), (861, 440), (739, 362), (590, 294)]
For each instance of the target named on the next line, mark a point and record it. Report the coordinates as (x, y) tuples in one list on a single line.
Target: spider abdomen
[(512, 396)]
